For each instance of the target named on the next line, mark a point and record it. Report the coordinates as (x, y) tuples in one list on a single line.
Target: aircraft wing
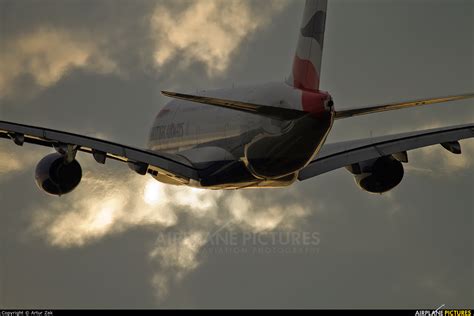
[(337, 155), (139, 160)]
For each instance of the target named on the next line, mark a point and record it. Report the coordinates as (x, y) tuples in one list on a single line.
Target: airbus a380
[(261, 136)]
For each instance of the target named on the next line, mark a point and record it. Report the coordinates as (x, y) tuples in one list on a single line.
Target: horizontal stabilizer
[(264, 110), (399, 105)]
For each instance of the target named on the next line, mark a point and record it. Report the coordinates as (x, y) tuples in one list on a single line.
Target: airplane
[(260, 136)]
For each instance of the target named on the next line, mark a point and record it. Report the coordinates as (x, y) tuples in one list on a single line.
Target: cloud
[(351, 218), (258, 219), (46, 55), (8, 163), (179, 33), (175, 260), (13, 160), (440, 161), (436, 160), (100, 207), (103, 206), (207, 32), (112, 203)]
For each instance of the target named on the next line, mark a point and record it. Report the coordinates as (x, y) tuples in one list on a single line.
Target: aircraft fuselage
[(233, 149)]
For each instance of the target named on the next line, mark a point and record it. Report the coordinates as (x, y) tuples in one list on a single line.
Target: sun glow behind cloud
[(107, 204), (104, 206)]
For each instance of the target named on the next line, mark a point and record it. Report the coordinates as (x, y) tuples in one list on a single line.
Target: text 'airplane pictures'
[(261, 136)]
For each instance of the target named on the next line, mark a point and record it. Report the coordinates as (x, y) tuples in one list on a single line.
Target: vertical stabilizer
[(307, 61)]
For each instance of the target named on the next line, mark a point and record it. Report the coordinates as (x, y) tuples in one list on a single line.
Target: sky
[(121, 240)]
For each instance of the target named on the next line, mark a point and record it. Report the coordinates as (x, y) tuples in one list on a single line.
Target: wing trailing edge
[(139, 160)]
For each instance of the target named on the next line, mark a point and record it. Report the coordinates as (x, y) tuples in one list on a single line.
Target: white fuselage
[(205, 134)]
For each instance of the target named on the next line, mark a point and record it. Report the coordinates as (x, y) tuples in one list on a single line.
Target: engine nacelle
[(379, 175), (55, 176)]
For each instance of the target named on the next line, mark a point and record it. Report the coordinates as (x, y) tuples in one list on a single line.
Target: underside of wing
[(173, 167), (367, 151)]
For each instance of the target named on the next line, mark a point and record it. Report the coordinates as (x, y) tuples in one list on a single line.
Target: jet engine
[(378, 175), (56, 176)]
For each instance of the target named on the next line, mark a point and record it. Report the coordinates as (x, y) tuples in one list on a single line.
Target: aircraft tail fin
[(306, 69)]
